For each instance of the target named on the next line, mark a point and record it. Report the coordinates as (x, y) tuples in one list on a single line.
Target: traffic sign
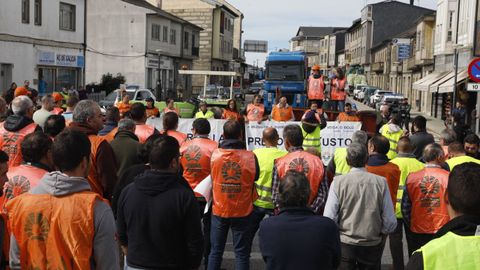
[(473, 87), (474, 70)]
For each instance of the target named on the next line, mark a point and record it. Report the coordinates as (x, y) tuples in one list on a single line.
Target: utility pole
[(454, 94)]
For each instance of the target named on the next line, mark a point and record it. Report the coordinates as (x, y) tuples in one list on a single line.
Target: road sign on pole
[(474, 70), (475, 87)]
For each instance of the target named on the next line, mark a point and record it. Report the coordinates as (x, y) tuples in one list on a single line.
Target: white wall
[(11, 21), (24, 57), (116, 31)]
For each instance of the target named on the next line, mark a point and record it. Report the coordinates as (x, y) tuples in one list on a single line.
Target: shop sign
[(66, 60), (152, 63), (46, 58)]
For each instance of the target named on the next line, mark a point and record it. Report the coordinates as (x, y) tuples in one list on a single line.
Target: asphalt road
[(256, 261)]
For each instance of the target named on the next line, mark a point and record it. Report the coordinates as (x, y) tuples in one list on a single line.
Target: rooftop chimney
[(411, 2)]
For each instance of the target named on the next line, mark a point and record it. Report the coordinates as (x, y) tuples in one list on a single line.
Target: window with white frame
[(165, 34), (186, 39), (156, 32), (173, 36), (67, 17), (25, 11), (37, 12)]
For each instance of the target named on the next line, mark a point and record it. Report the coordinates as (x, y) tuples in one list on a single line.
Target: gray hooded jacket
[(105, 248)]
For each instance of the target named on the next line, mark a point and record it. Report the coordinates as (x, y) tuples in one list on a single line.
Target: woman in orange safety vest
[(255, 111), (171, 107), (231, 112), (170, 125)]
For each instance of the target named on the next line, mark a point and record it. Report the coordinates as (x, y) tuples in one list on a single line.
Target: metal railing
[(96, 96)]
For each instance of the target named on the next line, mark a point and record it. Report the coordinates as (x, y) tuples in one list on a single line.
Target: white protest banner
[(185, 126), (335, 134), (253, 133)]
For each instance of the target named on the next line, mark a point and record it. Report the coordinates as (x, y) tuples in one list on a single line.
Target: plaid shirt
[(317, 204)]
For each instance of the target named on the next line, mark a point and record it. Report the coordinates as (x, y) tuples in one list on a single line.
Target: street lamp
[(158, 88), (456, 47)]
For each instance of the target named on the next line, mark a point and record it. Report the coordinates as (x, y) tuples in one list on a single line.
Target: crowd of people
[(84, 189)]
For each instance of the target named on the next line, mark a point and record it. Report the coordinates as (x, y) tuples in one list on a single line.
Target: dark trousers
[(396, 246), (416, 240), (206, 221), (258, 215), (361, 257), (242, 242), (318, 101)]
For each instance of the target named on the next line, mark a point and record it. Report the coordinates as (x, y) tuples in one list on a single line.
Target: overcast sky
[(278, 20)]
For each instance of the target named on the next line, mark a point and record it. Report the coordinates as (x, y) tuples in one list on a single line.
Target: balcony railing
[(377, 66)]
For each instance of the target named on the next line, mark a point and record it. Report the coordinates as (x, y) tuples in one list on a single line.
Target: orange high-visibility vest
[(123, 108), (11, 141), (195, 160), (143, 132), (233, 176), (282, 114), (391, 172), (344, 117), (181, 137), (110, 136), (426, 190), (152, 112), (21, 179), (316, 88), (92, 178), (231, 115), (301, 161), (54, 232), (254, 112), (338, 93), (57, 110)]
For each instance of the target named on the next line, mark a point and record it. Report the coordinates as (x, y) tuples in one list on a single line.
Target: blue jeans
[(339, 105), (242, 241)]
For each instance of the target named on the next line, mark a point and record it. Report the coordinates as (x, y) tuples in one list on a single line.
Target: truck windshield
[(285, 72)]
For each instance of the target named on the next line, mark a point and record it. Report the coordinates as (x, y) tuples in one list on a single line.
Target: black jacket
[(419, 141), (15, 123), (463, 225), (159, 221), (299, 239)]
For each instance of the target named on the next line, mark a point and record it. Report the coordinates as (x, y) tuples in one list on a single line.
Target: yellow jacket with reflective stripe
[(407, 164), (312, 140), (340, 159), (452, 251), (266, 158), (393, 137), (460, 160)]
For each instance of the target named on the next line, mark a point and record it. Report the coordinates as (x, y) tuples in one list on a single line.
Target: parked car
[(358, 89), (375, 98), (135, 95), (393, 100), (361, 93), (255, 88), (365, 95)]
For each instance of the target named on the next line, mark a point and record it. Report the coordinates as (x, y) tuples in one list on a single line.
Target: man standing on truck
[(337, 92), (316, 86)]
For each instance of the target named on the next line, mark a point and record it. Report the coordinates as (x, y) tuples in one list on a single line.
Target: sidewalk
[(434, 125)]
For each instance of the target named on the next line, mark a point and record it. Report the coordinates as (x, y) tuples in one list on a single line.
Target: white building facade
[(42, 41), (140, 41)]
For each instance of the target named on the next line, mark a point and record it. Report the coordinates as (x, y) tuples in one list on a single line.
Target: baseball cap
[(57, 97), (21, 91)]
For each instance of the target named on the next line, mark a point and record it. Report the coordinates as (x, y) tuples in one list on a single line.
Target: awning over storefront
[(424, 83), (433, 88), (447, 87)]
